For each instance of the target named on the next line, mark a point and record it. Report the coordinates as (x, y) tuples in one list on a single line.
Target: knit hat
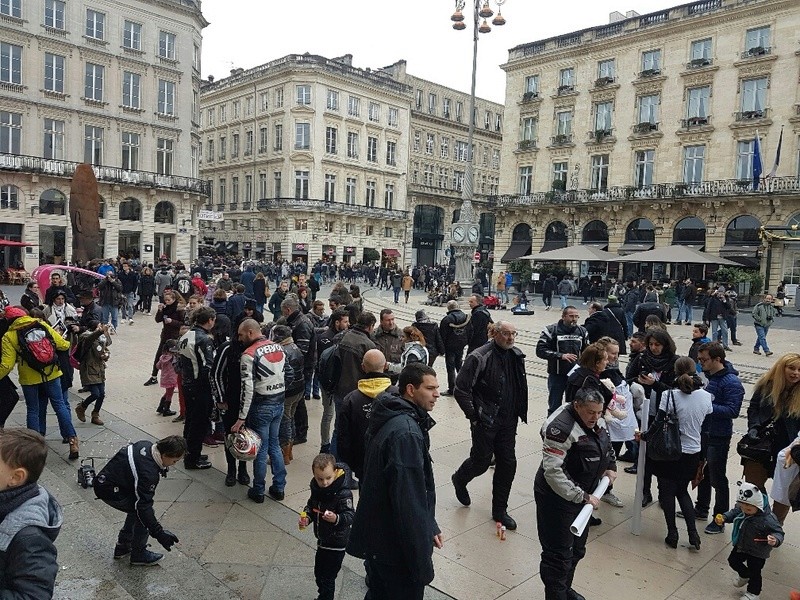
[(750, 494), (14, 312), (612, 298), (420, 315), (720, 290)]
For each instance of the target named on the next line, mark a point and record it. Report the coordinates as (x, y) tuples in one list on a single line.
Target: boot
[(165, 411), (286, 457), (780, 510), (73, 447), (162, 402), (96, 420), (291, 456), (80, 410)]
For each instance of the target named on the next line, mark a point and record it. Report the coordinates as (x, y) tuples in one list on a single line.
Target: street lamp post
[(465, 232)]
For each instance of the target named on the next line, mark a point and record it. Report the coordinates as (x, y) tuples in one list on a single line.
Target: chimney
[(632, 14), (615, 17)]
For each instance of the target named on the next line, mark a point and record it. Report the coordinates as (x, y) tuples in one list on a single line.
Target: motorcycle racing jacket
[(265, 374)]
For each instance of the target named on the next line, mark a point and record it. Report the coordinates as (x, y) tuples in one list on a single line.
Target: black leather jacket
[(338, 499)]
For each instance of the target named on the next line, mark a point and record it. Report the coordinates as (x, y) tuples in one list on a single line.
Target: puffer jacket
[(93, 352), (11, 353), (746, 530), (338, 499), (728, 392)]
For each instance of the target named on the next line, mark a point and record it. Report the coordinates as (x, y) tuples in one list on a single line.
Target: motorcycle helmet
[(243, 445)]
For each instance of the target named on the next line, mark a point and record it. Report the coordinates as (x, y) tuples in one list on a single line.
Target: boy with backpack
[(31, 344)]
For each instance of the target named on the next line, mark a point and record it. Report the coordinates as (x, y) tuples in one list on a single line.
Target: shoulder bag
[(663, 437), (756, 444)]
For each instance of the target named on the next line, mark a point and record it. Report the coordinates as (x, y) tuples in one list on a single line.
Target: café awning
[(516, 250), (677, 253), (579, 252), (391, 253)]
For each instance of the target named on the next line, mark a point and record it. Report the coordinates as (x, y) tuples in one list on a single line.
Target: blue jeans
[(312, 386), (396, 295), (36, 397), (720, 325), (127, 308), (556, 386), (109, 310), (761, 338), (265, 419), (715, 476), (629, 323), (97, 393), (337, 405), (685, 312), (563, 301)]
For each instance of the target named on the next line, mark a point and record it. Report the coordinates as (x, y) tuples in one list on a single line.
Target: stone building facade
[(110, 83), (311, 158), (642, 133)]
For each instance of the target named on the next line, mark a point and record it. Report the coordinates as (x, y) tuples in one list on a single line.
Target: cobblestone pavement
[(233, 548)]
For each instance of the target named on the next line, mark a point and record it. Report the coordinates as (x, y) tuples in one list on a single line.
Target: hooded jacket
[(93, 353), (728, 392), (162, 281), (338, 499), (11, 354), (352, 419), (454, 341), (748, 529), (396, 516), (28, 556)]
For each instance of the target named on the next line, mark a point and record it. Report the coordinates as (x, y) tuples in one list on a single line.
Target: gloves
[(167, 539)]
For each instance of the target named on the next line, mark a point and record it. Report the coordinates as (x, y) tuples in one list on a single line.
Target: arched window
[(520, 243), (52, 202), (690, 231), (9, 197), (743, 231), (164, 213), (793, 226), (521, 233), (555, 236), (640, 231), (130, 209), (595, 233)]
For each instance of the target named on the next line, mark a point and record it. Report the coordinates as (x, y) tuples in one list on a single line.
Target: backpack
[(329, 368), (37, 348), (184, 286)]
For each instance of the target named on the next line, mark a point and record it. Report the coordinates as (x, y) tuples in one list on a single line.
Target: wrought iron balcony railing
[(693, 122), (757, 51), (751, 115), (63, 168), (316, 205), (562, 139)]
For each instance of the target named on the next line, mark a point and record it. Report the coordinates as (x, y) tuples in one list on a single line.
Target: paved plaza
[(233, 548)]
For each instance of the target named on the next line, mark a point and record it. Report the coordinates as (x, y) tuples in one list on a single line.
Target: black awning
[(553, 245), (632, 248), (516, 249), (600, 245), (700, 247), (739, 251)]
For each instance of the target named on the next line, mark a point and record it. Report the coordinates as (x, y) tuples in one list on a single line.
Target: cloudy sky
[(246, 33)]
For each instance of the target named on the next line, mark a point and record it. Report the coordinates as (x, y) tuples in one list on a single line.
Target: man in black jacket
[(395, 527), (303, 335), (479, 323), (560, 344), (602, 322), (650, 306), (548, 288), (128, 483), (338, 323), (109, 292), (492, 390), (129, 280), (433, 338), (454, 329)]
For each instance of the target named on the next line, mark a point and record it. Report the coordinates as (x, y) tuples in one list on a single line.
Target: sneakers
[(712, 528), (768, 353), (123, 550), (741, 582), (699, 516), (275, 493), (196, 465), (146, 558), (612, 499), (757, 352), (632, 470), (130, 322), (749, 596), (257, 498), (151, 381), (462, 494)]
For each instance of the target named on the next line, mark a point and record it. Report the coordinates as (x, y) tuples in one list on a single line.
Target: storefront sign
[(210, 215)]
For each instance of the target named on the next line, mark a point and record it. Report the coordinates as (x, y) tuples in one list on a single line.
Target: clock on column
[(459, 234), (472, 234)]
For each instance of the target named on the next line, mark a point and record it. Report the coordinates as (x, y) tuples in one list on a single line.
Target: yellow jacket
[(11, 354)]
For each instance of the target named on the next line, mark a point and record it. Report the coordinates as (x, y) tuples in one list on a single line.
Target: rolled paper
[(582, 520)]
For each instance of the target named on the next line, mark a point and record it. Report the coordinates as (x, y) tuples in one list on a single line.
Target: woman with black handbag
[(689, 404), (774, 414)]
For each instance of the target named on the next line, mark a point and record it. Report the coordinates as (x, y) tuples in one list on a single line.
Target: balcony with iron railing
[(694, 122), (526, 145), (756, 52), (645, 128), (751, 115), (601, 136), (561, 139), (722, 188), (66, 169), (316, 205), (699, 63)]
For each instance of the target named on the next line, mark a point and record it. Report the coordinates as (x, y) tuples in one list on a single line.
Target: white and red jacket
[(265, 373)]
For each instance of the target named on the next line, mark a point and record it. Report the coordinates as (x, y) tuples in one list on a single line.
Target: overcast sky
[(247, 33)]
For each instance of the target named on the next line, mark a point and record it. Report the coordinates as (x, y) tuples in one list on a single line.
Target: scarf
[(12, 498), (657, 364)]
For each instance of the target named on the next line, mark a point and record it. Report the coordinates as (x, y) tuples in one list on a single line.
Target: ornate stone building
[(642, 133), (114, 84), (311, 158)]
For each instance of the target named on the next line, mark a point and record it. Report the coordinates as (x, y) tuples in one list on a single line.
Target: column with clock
[(464, 239)]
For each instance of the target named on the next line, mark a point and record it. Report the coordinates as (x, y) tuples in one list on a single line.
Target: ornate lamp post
[(464, 233)]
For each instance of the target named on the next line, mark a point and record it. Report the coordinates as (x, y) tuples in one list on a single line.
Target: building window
[(277, 184), (458, 180), (95, 24), (487, 120), (757, 41), (131, 89), (459, 111), (130, 151), (645, 163), (700, 54), (211, 114), (393, 117), (388, 197), (525, 181), (372, 149), (446, 107), (303, 95), (10, 63), (431, 104), (370, 195), (529, 127), (262, 140), (235, 145), (369, 230), (353, 106), (430, 143), (223, 185), (53, 139), (248, 189), (564, 123), (648, 108), (331, 139), (279, 97), (444, 147), (352, 144), (566, 80), (301, 183), (166, 45), (248, 143), (10, 132), (498, 122), (350, 191), (54, 73), (350, 228), (11, 8), (442, 179), (210, 151), (607, 70), (234, 190), (496, 158), (697, 107), (416, 141), (262, 185), (166, 98), (329, 226), (301, 224), (754, 96), (693, 161), (263, 103), (196, 57), (374, 112), (93, 84), (560, 171), (164, 151), (332, 100), (223, 113), (236, 109), (132, 36), (532, 86), (391, 154), (599, 173), (745, 151), (277, 138), (651, 63), (302, 136), (602, 116), (418, 97), (427, 175), (93, 145), (330, 187), (54, 14), (461, 151)]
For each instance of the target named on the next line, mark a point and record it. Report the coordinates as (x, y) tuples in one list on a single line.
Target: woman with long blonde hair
[(776, 398)]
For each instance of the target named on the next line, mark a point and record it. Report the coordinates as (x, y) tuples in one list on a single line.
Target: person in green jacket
[(763, 315), (670, 299)]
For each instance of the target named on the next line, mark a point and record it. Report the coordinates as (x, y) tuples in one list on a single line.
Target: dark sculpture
[(84, 213)]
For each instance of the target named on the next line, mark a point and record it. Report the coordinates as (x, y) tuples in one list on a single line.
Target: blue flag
[(757, 166)]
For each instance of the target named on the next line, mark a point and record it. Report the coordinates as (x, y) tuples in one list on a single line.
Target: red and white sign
[(477, 257)]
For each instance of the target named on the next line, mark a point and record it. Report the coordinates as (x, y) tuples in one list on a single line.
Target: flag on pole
[(777, 157), (757, 166)]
